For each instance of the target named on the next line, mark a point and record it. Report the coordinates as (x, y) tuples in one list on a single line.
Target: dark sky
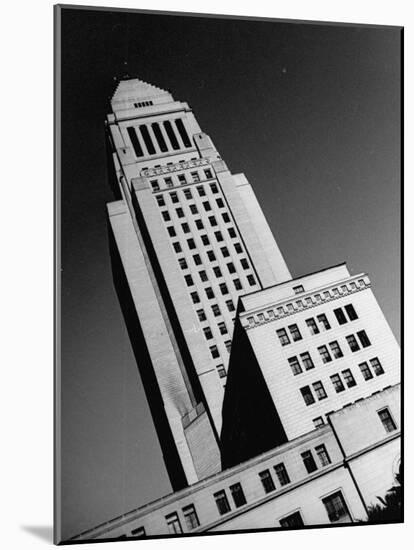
[(311, 115)]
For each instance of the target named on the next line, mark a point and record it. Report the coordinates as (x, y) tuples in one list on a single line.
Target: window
[(237, 494), (363, 338), (173, 523), (212, 220), (283, 336), (352, 314), (226, 217), (182, 179), (223, 288), (174, 197), (208, 174), (160, 200), (197, 259), (214, 352), (221, 371), (189, 280), (376, 366), (294, 331), (232, 233), (387, 421), (267, 481), (324, 353), (185, 227), (322, 319), (348, 377), (166, 216), (220, 203), (199, 224), (136, 144), (205, 240), (225, 252), (209, 293), (313, 327), (293, 520), (340, 316), (230, 305), (216, 310), (307, 395), (309, 461), (318, 422), (211, 255), (222, 502), (191, 244), (222, 328), (187, 194), (183, 263), (195, 176), (180, 212), (282, 474), (298, 289), (319, 390), (193, 209), (183, 132), (251, 280), (352, 342), (238, 248), (244, 263), (337, 383), (177, 247), (323, 456), (171, 231), (201, 191), (168, 182), (138, 532), (227, 343), (159, 137), (217, 272), (307, 360), (219, 236), (207, 206), (195, 297), (201, 315), (203, 276), (213, 188), (190, 517), (237, 284), (207, 333), (336, 508), (365, 370), (336, 350), (171, 135), (295, 365)]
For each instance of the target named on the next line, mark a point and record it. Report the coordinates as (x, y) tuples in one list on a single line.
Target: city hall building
[(275, 400)]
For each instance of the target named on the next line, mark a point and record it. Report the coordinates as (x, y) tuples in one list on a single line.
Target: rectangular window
[(189, 280), (160, 200), (171, 231), (199, 224), (180, 212), (183, 133), (197, 259), (267, 481), (238, 495), (251, 280), (227, 343), (223, 288), (190, 517), (295, 365), (309, 461), (319, 390), (352, 342), (282, 474), (191, 244), (171, 135), (183, 263), (212, 220), (159, 137), (166, 216), (376, 366), (220, 203), (203, 276), (201, 191), (283, 336), (231, 268), (230, 305), (147, 139), (201, 315), (216, 310), (244, 263), (174, 197), (348, 377), (168, 182), (324, 353), (298, 289), (307, 360), (193, 209), (182, 179), (207, 333), (195, 176), (340, 316), (352, 314), (226, 217), (222, 502), (138, 532), (219, 236), (195, 298), (365, 370), (337, 383), (177, 247), (225, 251), (222, 328), (217, 272), (313, 327), (387, 421), (322, 454), (336, 508), (323, 320), (293, 520), (213, 188), (221, 371), (307, 395), (209, 293), (211, 256), (185, 227), (135, 142), (173, 523), (363, 338), (205, 240), (336, 350), (232, 233), (294, 331), (187, 194), (318, 422), (237, 284), (208, 174), (214, 352), (207, 206)]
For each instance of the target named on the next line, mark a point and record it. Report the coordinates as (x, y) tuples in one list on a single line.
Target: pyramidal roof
[(133, 89)]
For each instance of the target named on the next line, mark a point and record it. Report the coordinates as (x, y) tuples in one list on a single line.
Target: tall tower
[(188, 238)]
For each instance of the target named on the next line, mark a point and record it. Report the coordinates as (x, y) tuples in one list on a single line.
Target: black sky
[(311, 115)]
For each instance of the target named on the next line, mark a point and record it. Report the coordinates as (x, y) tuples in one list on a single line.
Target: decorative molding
[(176, 167)]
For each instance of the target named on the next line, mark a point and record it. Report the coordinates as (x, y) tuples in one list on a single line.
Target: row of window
[(143, 104), (182, 179), (316, 325), (215, 352), (338, 383), (335, 507), (163, 135)]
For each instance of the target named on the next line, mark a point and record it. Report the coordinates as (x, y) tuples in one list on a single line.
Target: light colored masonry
[(309, 421)]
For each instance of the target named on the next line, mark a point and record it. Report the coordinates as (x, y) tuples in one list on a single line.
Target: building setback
[(275, 400)]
